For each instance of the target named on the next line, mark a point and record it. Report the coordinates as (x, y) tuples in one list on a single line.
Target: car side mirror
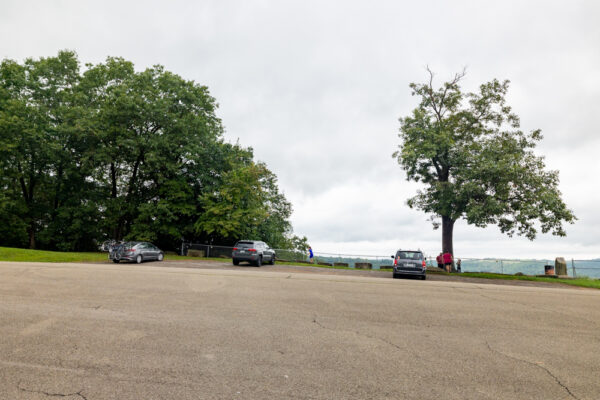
[(392, 256)]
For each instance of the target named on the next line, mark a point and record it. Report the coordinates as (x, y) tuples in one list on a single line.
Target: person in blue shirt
[(310, 254)]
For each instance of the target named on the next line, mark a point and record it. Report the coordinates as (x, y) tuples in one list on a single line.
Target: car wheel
[(236, 262), (272, 262), (395, 276), (116, 261), (161, 256), (138, 259), (424, 277), (259, 261)]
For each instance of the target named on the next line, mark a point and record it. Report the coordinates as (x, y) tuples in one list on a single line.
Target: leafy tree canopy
[(474, 161), (111, 152)]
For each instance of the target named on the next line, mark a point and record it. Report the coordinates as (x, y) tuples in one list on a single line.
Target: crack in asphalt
[(52, 394), (358, 333), (535, 365)]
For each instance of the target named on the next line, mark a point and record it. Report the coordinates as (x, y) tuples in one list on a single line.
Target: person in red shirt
[(440, 262), (447, 258)]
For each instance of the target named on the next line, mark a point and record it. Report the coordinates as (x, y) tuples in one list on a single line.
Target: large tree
[(475, 163), (246, 204), (151, 127), (117, 153), (39, 147)]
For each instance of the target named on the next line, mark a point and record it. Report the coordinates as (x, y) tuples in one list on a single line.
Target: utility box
[(560, 266)]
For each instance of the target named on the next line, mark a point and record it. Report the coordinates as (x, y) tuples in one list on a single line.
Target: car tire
[(395, 276), (116, 261), (259, 261), (161, 257), (138, 259), (424, 277), (236, 262), (272, 262)]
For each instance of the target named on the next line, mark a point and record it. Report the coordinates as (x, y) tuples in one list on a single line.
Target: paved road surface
[(103, 331)]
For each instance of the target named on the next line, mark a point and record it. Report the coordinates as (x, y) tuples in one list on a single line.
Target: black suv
[(253, 251), (409, 262)]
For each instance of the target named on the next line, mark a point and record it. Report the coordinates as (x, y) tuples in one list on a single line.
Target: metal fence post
[(502, 266), (573, 268)]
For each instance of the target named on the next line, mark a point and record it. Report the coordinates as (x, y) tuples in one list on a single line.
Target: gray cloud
[(316, 89)]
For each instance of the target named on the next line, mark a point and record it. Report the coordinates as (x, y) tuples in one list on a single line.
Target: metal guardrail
[(592, 266)]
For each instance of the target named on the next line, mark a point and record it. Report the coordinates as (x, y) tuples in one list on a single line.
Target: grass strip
[(27, 255), (582, 282)]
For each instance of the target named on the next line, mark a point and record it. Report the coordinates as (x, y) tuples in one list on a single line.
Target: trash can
[(549, 269)]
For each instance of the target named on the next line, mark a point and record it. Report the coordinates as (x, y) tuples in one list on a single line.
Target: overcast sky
[(317, 87)]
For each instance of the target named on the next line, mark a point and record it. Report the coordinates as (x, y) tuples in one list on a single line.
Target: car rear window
[(410, 255), (245, 245)]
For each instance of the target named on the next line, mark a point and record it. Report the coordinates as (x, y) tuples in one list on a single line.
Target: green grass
[(11, 254), (582, 282), (27, 255), (24, 255)]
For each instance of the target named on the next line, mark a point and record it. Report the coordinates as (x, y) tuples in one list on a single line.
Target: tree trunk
[(447, 231), (57, 190), (119, 229), (31, 231), (113, 180)]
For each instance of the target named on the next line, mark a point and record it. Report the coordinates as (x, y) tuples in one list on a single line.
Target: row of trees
[(109, 152)]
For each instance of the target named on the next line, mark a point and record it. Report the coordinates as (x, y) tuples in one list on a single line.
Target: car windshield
[(245, 245), (410, 255)]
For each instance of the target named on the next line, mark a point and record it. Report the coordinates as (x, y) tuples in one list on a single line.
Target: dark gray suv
[(253, 251), (410, 262)]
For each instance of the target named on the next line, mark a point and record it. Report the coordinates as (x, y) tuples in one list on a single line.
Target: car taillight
[(130, 250), (424, 265), (395, 262), (235, 248), (252, 250)]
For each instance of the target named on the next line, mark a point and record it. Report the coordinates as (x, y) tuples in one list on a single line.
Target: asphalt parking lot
[(160, 331)]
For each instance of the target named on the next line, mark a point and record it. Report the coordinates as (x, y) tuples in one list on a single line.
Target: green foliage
[(475, 162), (248, 205), (115, 153)]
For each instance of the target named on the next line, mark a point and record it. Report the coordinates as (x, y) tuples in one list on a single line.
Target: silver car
[(135, 252), (409, 262)]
